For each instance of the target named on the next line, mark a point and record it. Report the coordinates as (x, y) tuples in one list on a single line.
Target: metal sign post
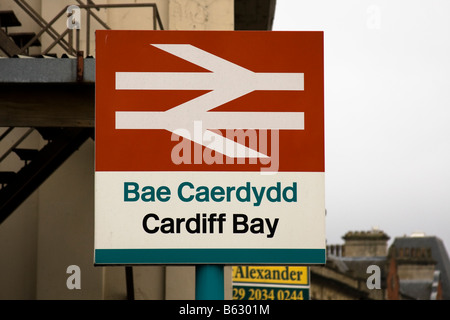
[(209, 282)]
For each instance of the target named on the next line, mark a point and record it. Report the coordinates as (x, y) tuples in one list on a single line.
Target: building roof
[(358, 265), (416, 289), (438, 252)]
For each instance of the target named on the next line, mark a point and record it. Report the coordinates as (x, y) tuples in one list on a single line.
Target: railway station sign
[(209, 147)]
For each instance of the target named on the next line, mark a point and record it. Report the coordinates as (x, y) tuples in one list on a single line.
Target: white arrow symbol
[(227, 81)]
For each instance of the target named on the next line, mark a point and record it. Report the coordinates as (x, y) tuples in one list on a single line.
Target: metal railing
[(59, 38)]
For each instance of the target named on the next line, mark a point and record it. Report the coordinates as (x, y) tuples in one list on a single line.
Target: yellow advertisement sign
[(291, 275)]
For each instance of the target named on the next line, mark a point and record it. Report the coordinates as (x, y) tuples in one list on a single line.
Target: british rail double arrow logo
[(226, 81)]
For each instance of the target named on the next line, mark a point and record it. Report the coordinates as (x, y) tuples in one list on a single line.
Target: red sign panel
[(166, 79)]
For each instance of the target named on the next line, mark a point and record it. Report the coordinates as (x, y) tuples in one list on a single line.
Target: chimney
[(415, 263), (371, 243)]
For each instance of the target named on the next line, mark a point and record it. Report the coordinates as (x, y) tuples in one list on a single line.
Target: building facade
[(365, 268)]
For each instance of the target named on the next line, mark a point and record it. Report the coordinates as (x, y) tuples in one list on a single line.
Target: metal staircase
[(38, 165), (31, 98), (61, 143), (12, 44)]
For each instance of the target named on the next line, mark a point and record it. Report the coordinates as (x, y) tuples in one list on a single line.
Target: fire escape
[(45, 94)]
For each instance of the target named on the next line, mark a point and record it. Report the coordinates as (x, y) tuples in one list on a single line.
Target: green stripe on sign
[(209, 256)]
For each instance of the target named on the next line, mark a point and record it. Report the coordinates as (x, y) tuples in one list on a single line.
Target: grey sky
[(387, 112)]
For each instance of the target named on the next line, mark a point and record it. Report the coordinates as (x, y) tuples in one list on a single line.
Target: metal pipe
[(59, 38), (130, 282), (159, 19), (77, 32), (209, 282), (94, 15), (117, 5), (154, 19), (88, 31), (71, 39), (126, 5)]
